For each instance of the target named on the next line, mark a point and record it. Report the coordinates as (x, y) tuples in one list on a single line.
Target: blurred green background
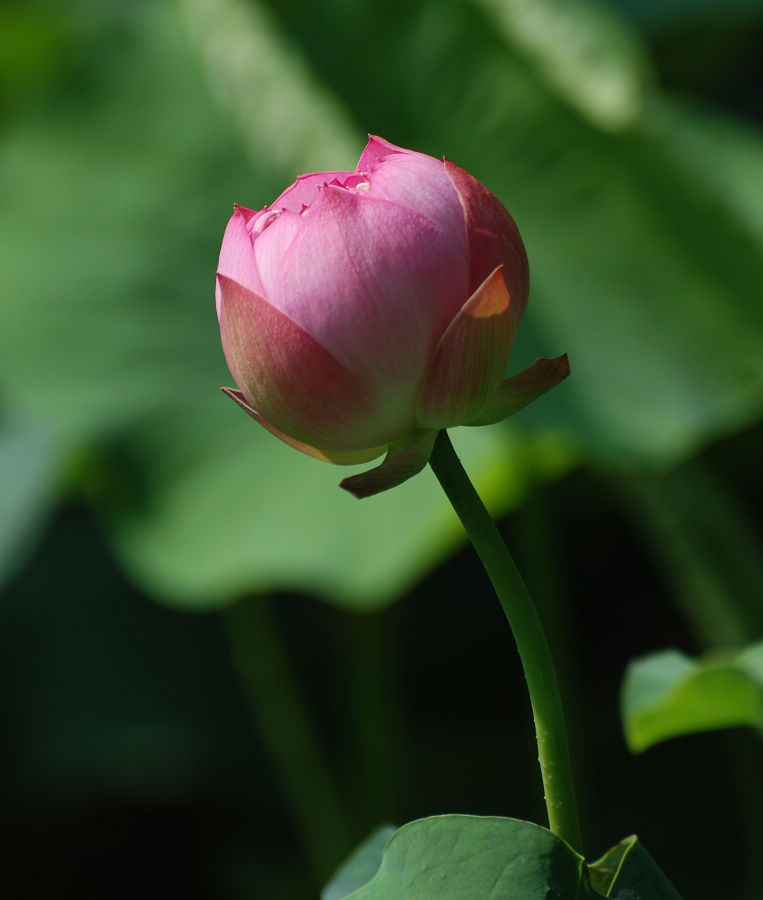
[(219, 671)]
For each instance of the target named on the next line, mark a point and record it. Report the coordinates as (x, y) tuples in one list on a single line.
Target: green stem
[(286, 733), (534, 652)]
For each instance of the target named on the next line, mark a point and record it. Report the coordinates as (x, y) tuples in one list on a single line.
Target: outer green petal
[(519, 390), (405, 458), (470, 359)]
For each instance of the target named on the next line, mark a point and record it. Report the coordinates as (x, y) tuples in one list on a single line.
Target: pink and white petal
[(521, 389), (293, 382), (376, 284), (338, 457), (305, 189), (237, 255), (470, 359), (421, 183), (404, 459), (271, 244), (494, 239)]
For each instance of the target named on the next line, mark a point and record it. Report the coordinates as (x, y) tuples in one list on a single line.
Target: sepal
[(405, 458), (470, 359), (521, 389)]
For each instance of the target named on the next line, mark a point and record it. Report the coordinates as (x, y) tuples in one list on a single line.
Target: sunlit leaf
[(669, 694), (585, 51), (260, 76)]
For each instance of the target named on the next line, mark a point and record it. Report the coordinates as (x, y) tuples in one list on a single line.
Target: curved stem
[(534, 652), (286, 732)]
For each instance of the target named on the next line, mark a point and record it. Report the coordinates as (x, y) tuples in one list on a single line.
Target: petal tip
[(240, 400), (523, 388), (405, 458)]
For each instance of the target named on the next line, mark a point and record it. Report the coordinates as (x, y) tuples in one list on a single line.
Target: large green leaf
[(669, 694), (112, 198), (462, 857), (233, 510)]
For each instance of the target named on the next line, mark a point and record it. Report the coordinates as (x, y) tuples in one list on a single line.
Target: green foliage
[(628, 872), (461, 857), (668, 694), (128, 130), (641, 216), (456, 857), (360, 867), (28, 462), (708, 547)]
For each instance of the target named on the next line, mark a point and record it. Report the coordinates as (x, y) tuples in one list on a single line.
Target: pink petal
[(519, 390), (338, 457), (376, 284), (291, 380), (470, 360), (237, 260), (421, 183), (305, 189), (271, 244), (493, 239), (248, 214), (404, 459), (376, 150)]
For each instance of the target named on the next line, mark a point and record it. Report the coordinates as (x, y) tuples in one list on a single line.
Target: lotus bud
[(362, 312)]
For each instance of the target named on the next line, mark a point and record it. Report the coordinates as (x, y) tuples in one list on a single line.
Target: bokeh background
[(218, 671)]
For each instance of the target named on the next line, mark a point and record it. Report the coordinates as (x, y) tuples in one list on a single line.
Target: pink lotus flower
[(364, 311)]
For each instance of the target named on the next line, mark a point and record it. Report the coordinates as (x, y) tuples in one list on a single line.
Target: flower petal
[(290, 379), (376, 284), (271, 244), (338, 457), (375, 151), (237, 255), (419, 182), (404, 459), (516, 392), (493, 239), (248, 214), (470, 359), (305, 189)]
